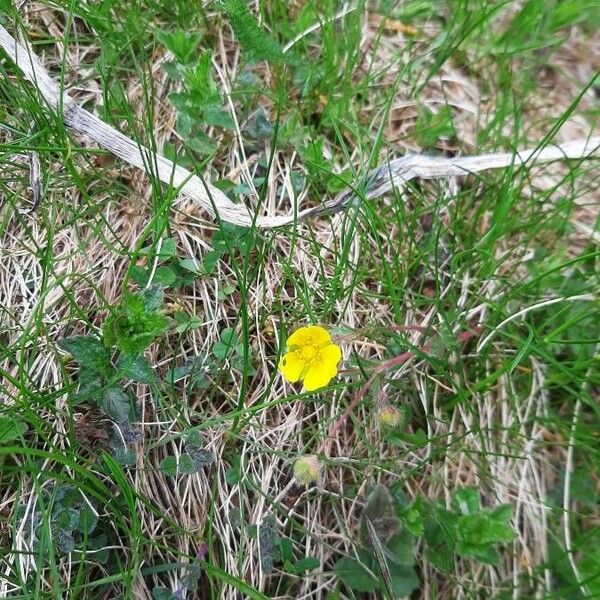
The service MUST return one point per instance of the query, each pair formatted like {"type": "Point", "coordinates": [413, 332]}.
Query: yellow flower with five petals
{"type": "Point", "coordinates": [311, 357]}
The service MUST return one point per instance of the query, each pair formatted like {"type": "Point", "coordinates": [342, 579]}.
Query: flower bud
{"type": "Point", "coordinates": [307, 469]}
{"type": "Point", "coordinates": [389, 416]}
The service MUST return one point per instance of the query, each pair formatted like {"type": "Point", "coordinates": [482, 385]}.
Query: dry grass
{"type": "Point", "coordinates": [498, 442]}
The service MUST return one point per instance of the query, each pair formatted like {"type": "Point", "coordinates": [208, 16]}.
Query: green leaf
{"type": "Point", "coordinates": [186, 322]}
{"type": "Point", "coordinates": [87, 520]}
{"type": "Point", "coordinates": [67, 519]}
{"type": "Point", "coordinates": [191, 265]}
{"type": "Point", "coordinates": [355, 576]}
{"type": "Point", "coordinates": [401, 548]}
{"type": "Point", "coordinates": [202, 144]}
{"type": "Point", "coordinates": [413, 517]}
{"type": "Point", "coordinates": [466, 501]}
{"type": "Point", "coordinates": [182, 44]}
{"type": "Point", "coordinates": [232, 476]}
{"type": "Point", "coordinates": [404, 579]}
{"type": "Point", "coordinates": [163, 593]}
{"type": "Point", "coordinates": [137, 368]}
{"type": "Point", "coordinates": [90, 386]}
{"type": "Point", "coordinates": [88, 351]}
{"type": "Point", "coordinates": [186, 465]}
{"type": "Point", "coordinates": [286, 548]}
{"type": "Point", "coordinates": [135, 323]}
{"type": "Point", "coordinates": [379, 510]}
{"type": "Point", "coordinates": [219, 118]}
{"type": "Point", "coordinates": [308, 563]}
{"type": "Point", "coordinates": [168, 466]}
{"type": "Point", "coordinates": [252, 38]}
{"type": "Point", "coordinates": [200, 456]}
{"type": "Point", "coordinates": [11, 429]}
{"type": "Point", "coordinates": [115, 404]}
{"type": "Point", "coordinates": [226, 343]}
{"type": "Point", "coordinates": [210, 261]}
{"type": "Point", "coordinates": [164, 276]}
{"type": "Point", "coordinates": [151, 297]}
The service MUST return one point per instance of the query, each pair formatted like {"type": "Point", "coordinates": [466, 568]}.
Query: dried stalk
{"type": "Point", "coordinates": [377, 183]}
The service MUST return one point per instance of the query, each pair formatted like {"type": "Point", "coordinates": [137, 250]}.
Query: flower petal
{"type": "Point", "coordinates": [312, 335]}
{"type": "Point", "coordinates": [318, 376]}
{"type": "Point", "coordinates": [291, 366]}
{"type": "Point", "coordinates": [331, 356]}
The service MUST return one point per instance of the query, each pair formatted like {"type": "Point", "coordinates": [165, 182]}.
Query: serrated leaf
{"type": "Point", "coordinates": [186, 465]}
{"type": "Point", "coordinates": [414, 515]}
{"type": "Point", "coordinates": [355, 576]}
{"type": "Point", "coordinates": [201, 457]}
{"type": "Point", "coordinates": [219, 118]}
{"type": "Point", "coordinates": [11, 429]}
{"type": "Point", "coordinates": [163, 593]}
{"type": "Point", "coordinates": [400, 548]}
{"type": "Point", "coordinates": [164, 276]}
{"type": "Point", "coordinates": [65, 541]}
{"type": "Point", "coordinates": [202, 144]}
{"type": "Point", "coordinates": [187, 322]}
{"type": "Point", "coordinates": [115, 404]}
{"type": "Point", "coordinates": [251, 36]}
{"type": "Point", "coordinates": [67, 519]}
{"type": "Point", "coordinates": [183, 44]}
{"type": "Point", "coordinates": [151, 297]}
{"type": "Point", "coordinates": [89, 352]}
{"type": "Point", "coordinates": [168, 466]}
{"type": "Point", "coordinates": [379, 510]}
{"type": "Point", "coordinates": [137, 368]}
{"type": "Point", "coordinates": [466, 501]}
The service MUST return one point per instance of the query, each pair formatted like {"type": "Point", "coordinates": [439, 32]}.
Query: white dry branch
{"type": "Point", "coordinates": [378, 182]}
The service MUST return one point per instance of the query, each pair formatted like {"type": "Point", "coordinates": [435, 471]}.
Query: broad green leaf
{"type": "Point", "coordinates": [186, 465]}
{"type": "Point", "coordinates": [164, 276]}
{"type": "Point", "coordinates": [308, 563]}
{"type": "Point", "coordinates": [355, 576]}
{"type": "Point", "coordinates": [115, 403]}
{"type": "Point", "coordinates": [210, 261]}
{"type": "Point", "coordinates": [404, 579]}
{"type": "Point", "coordinates": [87, 519]}
{"type": "Point", "coordinates": [466, 501]}
{"type": "Point", "coordinates": [89, 352]}
{"type": "Point", "coordinates": [90, 386]}
{"type": "Point", "coordinates": [226, 343]}
{"type": "Point", "coordinates": [380, 511]}
{"type": "Point", "coordinates": [187, 322]}
{"type": "Point", "coordinates": [168, 466]}
{"type": "Point", "coordinates": [163, 593]}
{"type": "Point", "coordinates": [191, 264]}
{"type": "Point", "coordinates": [137, 368]}
{"type": "Point", "coordinates": [401, 548]}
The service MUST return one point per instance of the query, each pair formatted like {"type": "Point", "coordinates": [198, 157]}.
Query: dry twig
{"type": "Point", "coordinates": [377, 183]}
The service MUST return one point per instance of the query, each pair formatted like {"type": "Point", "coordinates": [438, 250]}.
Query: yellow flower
{"type": "Point", "coordinates": [311, 357]}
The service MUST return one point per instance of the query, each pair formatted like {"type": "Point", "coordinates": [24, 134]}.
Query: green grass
{"type": "Point", "coordinates": [449, 256]}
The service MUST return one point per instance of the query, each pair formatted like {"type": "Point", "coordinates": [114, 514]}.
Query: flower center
{"type": "Point", "coordinates": [309, 353]}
